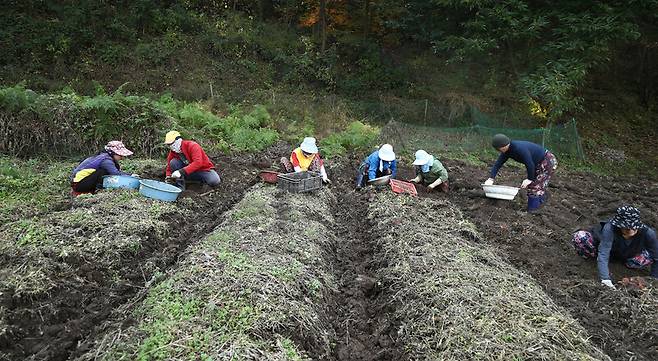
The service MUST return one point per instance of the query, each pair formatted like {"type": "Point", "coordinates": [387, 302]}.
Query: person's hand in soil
{"type": "Point", "coordinates": [434, 185]}
{"type": "Point", "coordinates": [415, 180]}
{"type": "Point", "coordinates": [608, 283]}
{"type": "Point", "coordinates": [489, 182]}
{"type": "Point", "coordinates": [525, 183]}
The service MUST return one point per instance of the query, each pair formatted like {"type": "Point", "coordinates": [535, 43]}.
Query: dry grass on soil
{"type": "Point", "coordinates": [257, 287]}
{"type": "Point", "coordinates": [456, 299]}
{"type": "Point", "coordinates": [100, 229]}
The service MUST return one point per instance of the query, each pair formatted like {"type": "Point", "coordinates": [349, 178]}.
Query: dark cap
{"type": "Point", "coordinates": [500, 140]}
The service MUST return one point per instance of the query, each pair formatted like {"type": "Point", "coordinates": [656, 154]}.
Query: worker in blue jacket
{"type": "Point", "coordinates": [378, 164]}
{"type": "Point", "coordinates": [539, 163]}
{"type": "Point", "coordinates": [623, 238]}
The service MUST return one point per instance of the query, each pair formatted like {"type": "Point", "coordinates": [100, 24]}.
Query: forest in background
{"type": "Point", "coordinates": [324, 64]}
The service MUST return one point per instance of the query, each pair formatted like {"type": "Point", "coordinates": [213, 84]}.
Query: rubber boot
{"type": "Point", "coordinates": [180, 183]}
{"type": "Point", "coordinates": [359, 180]}
{"type": "Point", "coordinates": [533, 203]}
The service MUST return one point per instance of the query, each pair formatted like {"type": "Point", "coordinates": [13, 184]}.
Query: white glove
{"type": "Point", "coordinates": [525, 183]}
{"type": "Point", "coordinates": [176, 174]}
{"type": "Point", "coordinates": [326, 180]}
{"type": "Point", "coordinates": [135, 175]}
{"type": "Point", "coordinates": [415, 180]}
{"type": "Point", "coordinates": [608, 283]}
{"type": "Point", "coordinates": [489, 182]}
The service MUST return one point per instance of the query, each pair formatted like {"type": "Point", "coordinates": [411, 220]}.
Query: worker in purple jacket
{"type": "Point", "coordinates": [623, 238]}
{"type": "Point", "coordinates": [539, 164]}
{"type": "Point", "coordinates": [88, 175]}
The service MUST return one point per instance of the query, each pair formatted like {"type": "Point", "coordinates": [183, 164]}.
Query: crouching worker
{"type": "Point", "coordinates": [187, 161]}
{"type": "Point", "coordinates": [305, 158]}
{"type": "Point", "coordinates": [539, 164]}
{"type": "Point", "coordinates": [87, 177]}
{"type": "Point", "coordinates": [623, 238]}
{"type": "Point", "coordinates": [378, 164]}
{"type": "Point", "coordinates": [430, 172]}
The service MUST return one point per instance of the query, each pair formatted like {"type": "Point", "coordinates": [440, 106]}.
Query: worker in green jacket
{"type": "Point", "coordinates": [430, 172]}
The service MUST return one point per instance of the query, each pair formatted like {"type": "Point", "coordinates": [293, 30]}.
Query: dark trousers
{"type": "Point", "coordinates": [90, 183]}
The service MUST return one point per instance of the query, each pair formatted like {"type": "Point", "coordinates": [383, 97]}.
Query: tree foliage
{"type": "Point", "coordinates": [549, 49]}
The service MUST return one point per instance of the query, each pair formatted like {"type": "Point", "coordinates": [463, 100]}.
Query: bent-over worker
{"type": "Point", "coordinates": [430, 171]}
{"type": "Point", "coordinates": [87, 177]}
{"type": "Point", "coordinates": [623, 238]}
{"type": "Point", "coordinates": [539, 163]}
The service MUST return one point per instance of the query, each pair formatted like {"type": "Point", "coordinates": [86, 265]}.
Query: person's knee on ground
{"type": "Point", "coordinates": [583, 243]}
{"type": "Point", "coordinates": [444, 187]}
{"type": "Point", "coordinates": [212, 179]}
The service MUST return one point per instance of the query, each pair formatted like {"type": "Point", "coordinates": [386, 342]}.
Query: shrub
{"type": "Point", "coordinates": [69, 124]}
{"type": "Point", "coordinates": [356, 137]}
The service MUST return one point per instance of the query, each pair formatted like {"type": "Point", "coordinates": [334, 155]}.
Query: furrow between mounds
{"type": "Point", "coordinates": [455, 299]}
{"type": "Point", "coordinates": [258, 287]}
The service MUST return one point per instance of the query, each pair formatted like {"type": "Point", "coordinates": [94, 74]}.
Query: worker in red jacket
{"type": "Point", "coordinates": [187, 161]}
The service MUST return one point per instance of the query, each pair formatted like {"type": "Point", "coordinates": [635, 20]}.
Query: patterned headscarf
{"type": "Point", "coordinates": [627, 217]}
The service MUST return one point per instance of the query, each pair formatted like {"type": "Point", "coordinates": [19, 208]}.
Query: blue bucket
{"type": "Point", "coordinates": [120, 182]}
{"type": "Point", "coordinates": [158, 190]}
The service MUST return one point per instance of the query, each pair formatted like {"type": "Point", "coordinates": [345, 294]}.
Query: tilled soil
{"type": "Point", "coordinates": [52, 327]}
{"type": "Point", "coordinates": [623, 323]}
{"type": "Point", "coordinates": [361, 320]}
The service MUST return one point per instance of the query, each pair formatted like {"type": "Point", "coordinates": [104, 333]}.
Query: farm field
{"type": "Point", "coordinates": [250, 272]}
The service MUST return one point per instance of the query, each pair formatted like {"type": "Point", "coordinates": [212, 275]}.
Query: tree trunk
{"type": "Point", "coordinates": [366, 19]}
{"type": "Point", "coordinates": [323, 25]}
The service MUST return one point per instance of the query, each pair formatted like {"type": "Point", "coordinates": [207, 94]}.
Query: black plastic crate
{"type": "Point", "coordinates": [300, 182]}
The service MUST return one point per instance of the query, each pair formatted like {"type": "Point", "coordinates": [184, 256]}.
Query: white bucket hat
{"type": "Point", "coordinates": [422, 157]}
{"type": "Point", "coordinates": [386, 153]}
{"type": "Point", "coordinates": [309, 146]}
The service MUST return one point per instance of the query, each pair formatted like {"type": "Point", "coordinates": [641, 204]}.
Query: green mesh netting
{"type": "Point", "coordinates": [466, 127]}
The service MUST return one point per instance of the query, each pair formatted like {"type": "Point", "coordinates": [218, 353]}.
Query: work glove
{"type": "Point", "coordinates": [525, 183]}
{"type": "Point", "coordinates": [489, 182]}
{"type": "Point", "coordinates": [415, 180]}
{"type": "Point", "coordinates": [608, 283]}
{"type": "Point", "coordinates": [135, 175]}
{"type": "Point", "coordinates": [176, 174]}
{"type": "Point", "coordinates": [326, 180]}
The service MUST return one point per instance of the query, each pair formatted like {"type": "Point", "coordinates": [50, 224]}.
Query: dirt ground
{"type": "Point", "coordinates": [362, 318]}
{"type": "Point", "coordinates": [623, 322]}
{"type": "Point", "coordinates": [50, 326]}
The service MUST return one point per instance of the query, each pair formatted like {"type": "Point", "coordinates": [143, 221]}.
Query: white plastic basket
{"type": "Point", "coordinates": [500, 192]}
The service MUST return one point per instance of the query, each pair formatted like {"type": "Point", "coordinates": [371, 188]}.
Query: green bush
{"type": "Point", "coordinates": [356, 137]}
{"type": "Point", "coordinates": [70, 124]}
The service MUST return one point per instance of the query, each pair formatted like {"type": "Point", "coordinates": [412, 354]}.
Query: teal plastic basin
{"type": "Point", "coordinates": [158, 190]}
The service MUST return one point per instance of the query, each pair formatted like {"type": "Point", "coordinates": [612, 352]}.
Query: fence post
{"type": "Point", "coordinates": [425, 117]}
